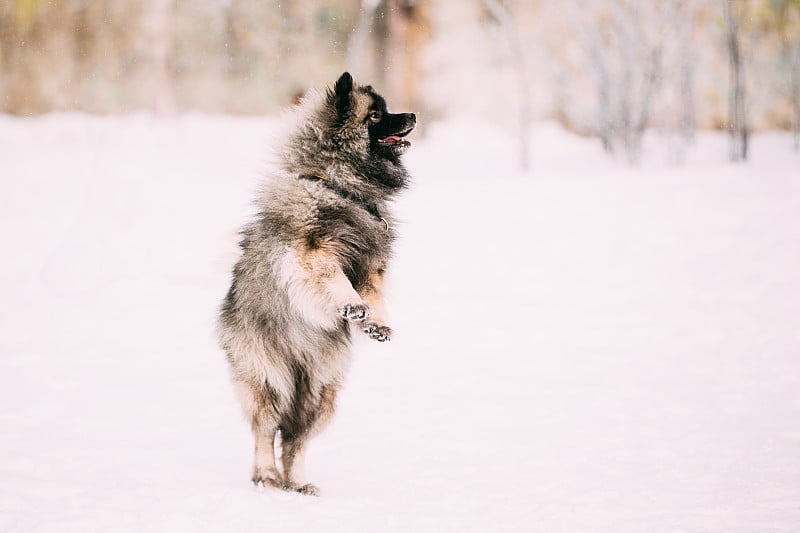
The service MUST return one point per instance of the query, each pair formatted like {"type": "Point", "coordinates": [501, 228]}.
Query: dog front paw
{"type": "Point", "coordinates": [354, 311]}
{"type": "Point", "coordinates": [376, 331]}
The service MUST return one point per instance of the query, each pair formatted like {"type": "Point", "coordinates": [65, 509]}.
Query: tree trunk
{"type": "Point", "coordinates": [687, 123]}
{"type": "Point", "coordinates": [501, 14]}
{"type": "Point", "coordinates": [599, 70]}
{"type": "Point", "coordinates": [358, 43]}
{"type": "Point", "coordinates": [159, 26]}
{"type": "Point", "coordinates": [795, 96]}
{"type": "Point", "coordinates": [737, 104]}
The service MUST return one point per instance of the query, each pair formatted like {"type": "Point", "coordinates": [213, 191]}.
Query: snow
{"type": "Point", "coordinates": [588, 348]}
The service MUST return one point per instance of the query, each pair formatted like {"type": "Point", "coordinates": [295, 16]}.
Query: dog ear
{"type": "Point", "coordinates": [340, 96]}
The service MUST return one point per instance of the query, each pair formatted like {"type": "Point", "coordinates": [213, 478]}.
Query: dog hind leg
{"type": "Point", "coordinates": [295, 445]}
{"type": "Point", "coordinates": [258, 409]}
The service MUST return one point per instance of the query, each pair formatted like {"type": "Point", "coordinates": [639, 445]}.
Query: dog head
{"type": "Point", "coordinates": [362, 118]}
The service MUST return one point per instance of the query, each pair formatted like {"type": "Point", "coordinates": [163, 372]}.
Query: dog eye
{"type": "Point", "coordinates": [375, 116]}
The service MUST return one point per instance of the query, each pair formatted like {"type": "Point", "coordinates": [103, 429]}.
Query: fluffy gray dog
{"type": "Point", "coordinates": [311, 270]}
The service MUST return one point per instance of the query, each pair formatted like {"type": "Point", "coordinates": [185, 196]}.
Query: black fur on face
{"type": "Point", "coordinates": [387, 131]}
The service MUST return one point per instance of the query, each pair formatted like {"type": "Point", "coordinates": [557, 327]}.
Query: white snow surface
{"type": "Point", "coordinates": [585, 348]}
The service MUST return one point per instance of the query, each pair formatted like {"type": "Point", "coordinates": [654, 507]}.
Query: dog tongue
{"type": "Point", "coordinates": [393, 139]}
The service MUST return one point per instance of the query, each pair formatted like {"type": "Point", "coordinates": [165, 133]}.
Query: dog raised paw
{"type": "Point", "coordinates": [354, 311]}
{"type": "Point", "coordinates": [376, 331]}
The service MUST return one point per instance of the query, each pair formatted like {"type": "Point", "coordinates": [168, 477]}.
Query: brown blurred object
{"type": "Point", "coordinates": [387, 48]}
{"type": "Point", "coordinates": [67, 55]}
{"type": "Point", "coordinates": [106, 56]}
{"type": "Point", "coordinates": [606, 68]}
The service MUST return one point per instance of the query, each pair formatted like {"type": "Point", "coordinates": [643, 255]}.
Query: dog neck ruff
{"type": "Point", "coordinates": [371, 209]}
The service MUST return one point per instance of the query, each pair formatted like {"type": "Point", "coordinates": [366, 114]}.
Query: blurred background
{"type": "Point", "coordinates": [595, 292]}
{"type": "Point", "coordinates": [605, 68]}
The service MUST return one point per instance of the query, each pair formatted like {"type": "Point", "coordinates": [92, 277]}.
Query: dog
{"type": "Point", "coordinates": [311, 272]}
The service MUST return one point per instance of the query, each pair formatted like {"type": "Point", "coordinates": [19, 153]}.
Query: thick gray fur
{"type": "Point", "coordinates": [311, 269]}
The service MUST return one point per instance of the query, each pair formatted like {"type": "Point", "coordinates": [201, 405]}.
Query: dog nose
{"type": "Point", "coordinates": [412, 117]}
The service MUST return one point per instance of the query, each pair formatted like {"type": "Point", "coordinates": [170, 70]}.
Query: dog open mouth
{"type": "Point", "coordinates": [396, 141]}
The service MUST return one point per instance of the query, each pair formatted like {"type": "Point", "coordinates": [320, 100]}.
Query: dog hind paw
{"type": "Point", "coordinates": [265, 480]}
{"type": "Point", "coordinates": [307, 489]}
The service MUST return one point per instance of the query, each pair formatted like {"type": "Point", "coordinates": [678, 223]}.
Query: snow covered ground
{"type": "Point", "coordinates": [589, 348]}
